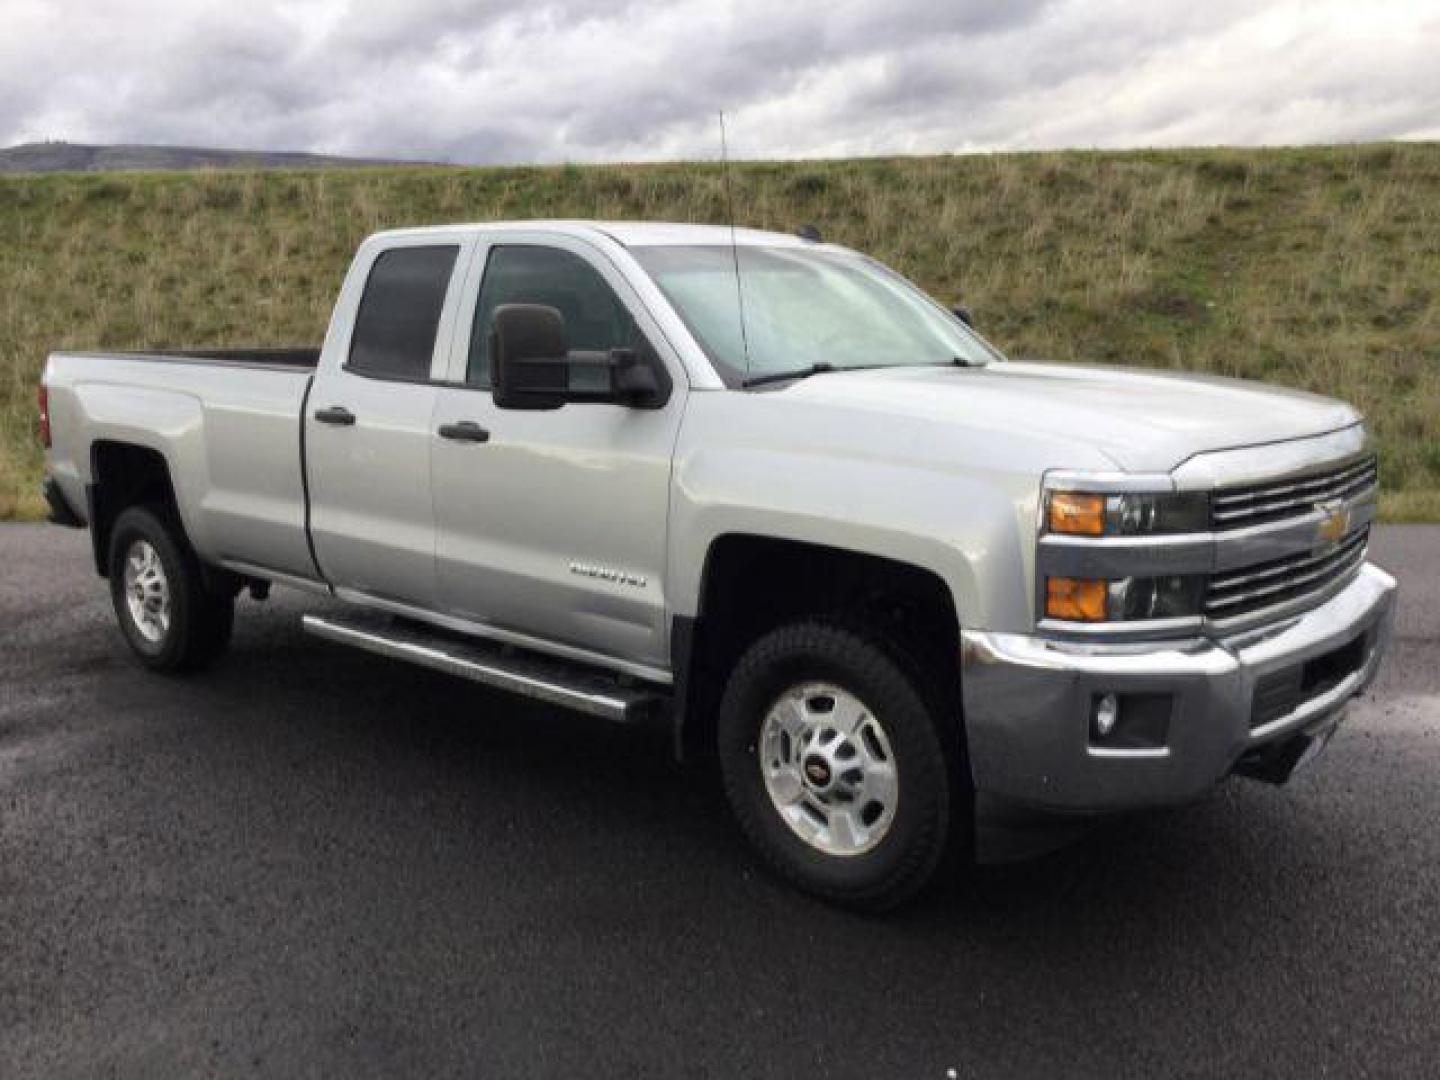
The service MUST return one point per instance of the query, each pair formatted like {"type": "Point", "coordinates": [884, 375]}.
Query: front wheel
{"type": "Point", "coordinates": [835, 766]}
{"type": "Point", "coordinates": [170, 619]}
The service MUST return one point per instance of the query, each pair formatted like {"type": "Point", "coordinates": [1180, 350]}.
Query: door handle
{"type": "Point", "coordinates": [336, 414]}
{"type": "Point", "coordinates": [464, 431]}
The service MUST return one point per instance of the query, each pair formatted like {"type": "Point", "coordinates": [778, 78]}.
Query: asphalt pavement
{"type": "Point", "coordinates": [312, 862]}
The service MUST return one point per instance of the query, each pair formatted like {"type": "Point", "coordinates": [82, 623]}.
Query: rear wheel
{"type": "Point", "coordinates": [835, 765]}
{"type": "Point", "coordinates": [171, 621]}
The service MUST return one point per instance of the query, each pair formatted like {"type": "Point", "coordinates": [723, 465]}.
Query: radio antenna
{"type": "Point", "coordinates": [734, 247]}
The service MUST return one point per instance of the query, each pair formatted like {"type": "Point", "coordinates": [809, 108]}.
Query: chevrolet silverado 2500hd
{"type": "Point", "coordinates": [911, 594]}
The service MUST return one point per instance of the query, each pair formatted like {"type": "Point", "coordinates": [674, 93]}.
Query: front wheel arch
{"type": "Point", "coordinates": [753, 583]}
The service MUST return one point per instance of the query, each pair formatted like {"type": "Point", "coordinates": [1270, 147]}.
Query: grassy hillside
{"type": "Point", "coordinates": [1317, 268]}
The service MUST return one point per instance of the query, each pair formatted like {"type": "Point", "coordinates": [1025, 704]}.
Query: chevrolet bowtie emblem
{"type": "Point", "coordinates": [1333, 525]}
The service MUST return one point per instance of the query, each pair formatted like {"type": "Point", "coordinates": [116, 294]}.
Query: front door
{"type": "Point", "coordinates": [555, 526]}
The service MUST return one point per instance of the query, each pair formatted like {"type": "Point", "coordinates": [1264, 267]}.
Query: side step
{"type": "Point", "coordinates": [557, 682]}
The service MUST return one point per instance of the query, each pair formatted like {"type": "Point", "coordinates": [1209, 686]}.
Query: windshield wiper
{"type": "Point", "coordinates": [780, 376]}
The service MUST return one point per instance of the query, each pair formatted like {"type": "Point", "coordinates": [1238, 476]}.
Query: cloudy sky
{"type": "Point", "coordinates": [593, 80]}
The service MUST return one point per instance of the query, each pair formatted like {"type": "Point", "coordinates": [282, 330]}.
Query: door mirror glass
{"type": "Point", "coordinates": [531, 357]}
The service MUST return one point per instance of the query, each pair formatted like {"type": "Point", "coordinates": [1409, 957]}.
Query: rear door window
{"type": "Point", "coordinates": [399, 314]}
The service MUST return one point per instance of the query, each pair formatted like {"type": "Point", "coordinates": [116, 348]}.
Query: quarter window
{"type": "Point", "coordinates": [399, 313]}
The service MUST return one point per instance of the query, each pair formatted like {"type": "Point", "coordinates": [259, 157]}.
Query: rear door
{"type": "Point", "coordinates": [368, 428]}
{"type": "Point", "coordinates": [555, 526]}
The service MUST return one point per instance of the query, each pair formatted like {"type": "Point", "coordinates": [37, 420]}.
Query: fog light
{"type": "Point", "coordinates": [1107, 712]}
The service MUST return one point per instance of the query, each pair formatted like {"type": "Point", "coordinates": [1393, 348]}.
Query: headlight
{"type": "Point", "coordinates": [1107, 547]}
{"type": "Point", "coordinates": [1082, 513]}
{"type": "Point", "coordinates": [1123, 599]}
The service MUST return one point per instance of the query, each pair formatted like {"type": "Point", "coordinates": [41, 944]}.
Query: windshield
{"type": "Point", "coordinates": [804, 307]}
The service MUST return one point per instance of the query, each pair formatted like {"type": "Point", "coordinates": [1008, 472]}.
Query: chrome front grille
{"type": "Point", "coordinates": [1275, 500]}
{"type": "Point", "coordinates": [1264, 585]}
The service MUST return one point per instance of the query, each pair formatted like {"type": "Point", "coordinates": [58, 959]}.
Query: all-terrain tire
{"type": "Point", "coordinates": [170, 619]}
{"type": "Point", "coordinates": [775, 673]}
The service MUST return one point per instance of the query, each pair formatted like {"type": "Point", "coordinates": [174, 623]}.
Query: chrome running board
{"type": "Point", "coordinates": [556, 682]}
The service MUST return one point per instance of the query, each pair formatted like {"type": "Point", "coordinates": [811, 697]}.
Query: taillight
{"type": "Point", "coordinates": [44, 396]}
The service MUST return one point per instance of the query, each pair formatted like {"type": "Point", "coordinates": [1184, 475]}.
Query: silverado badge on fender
{"type": "Point", "coordinates": [606, 573]}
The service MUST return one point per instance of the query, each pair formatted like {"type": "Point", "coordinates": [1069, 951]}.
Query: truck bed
{"type": "Point", "coordinates": [227, 423]}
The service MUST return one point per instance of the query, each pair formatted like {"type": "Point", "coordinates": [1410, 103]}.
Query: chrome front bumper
{"type": "Point", "coordinates": [1028, 703]}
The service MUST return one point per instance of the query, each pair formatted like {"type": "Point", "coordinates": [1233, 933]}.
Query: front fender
{"type": "Point", "coordinates": [968, 530]}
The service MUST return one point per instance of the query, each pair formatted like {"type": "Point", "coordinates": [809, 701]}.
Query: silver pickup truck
{"type": "Point", "coordinates": [912, 596]}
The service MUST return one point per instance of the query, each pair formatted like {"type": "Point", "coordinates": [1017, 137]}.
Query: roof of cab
{"type": "Point", "coordinates": [655, 233]}
{"type": "Point", "coordinates": [629, 233]}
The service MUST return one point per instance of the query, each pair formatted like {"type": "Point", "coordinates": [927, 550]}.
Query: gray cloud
{"type": "Point", "coordinates": [511, 80]}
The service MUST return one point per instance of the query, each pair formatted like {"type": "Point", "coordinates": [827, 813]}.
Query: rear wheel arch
{"type": "Point", "coordinates": [123, 475]}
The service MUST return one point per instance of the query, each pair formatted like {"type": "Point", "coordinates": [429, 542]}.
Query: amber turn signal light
{"type": "Point", "coordinates": [1075, 599]}
{"type": "Point", "coordinates": [1077, 513]}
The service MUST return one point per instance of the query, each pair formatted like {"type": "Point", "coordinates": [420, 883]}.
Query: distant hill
{"type": "Point", "coordinates": [48, 157]}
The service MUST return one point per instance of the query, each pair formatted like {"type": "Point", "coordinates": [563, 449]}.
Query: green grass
{"type": "Point", "coordinates": [1317, 268]}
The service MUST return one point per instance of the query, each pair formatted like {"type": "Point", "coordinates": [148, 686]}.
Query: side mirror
{"type": "Point", "coordinates": [961, 312]}
{"type": "Point", "coordinates": [535, 369]}
{"type": "Point", "coordinates": [531, 357]}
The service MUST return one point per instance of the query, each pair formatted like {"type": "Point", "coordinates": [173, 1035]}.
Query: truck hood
{"type": "Point", "coordinates": [1145, 421]}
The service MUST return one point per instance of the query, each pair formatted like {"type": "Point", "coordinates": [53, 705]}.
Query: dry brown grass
{"type": "Point", "coordinates": [1315, 268]}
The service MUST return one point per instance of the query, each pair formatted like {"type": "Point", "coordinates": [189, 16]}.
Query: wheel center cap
{"type": "Point", "coordinates": [817, 770]}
